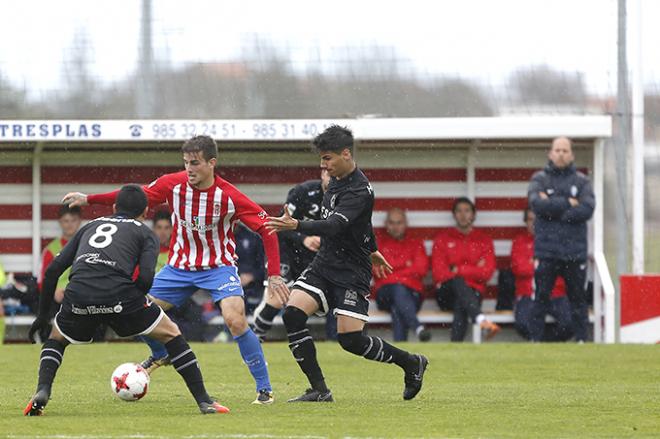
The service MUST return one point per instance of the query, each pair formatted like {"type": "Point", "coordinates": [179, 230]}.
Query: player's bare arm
{"type": "Point", "coordinates": [74, 199]}
{"type": "Point", "coordinates": [277, 288]}
{"type": "Point", "coordinates": [312, 243]}
{"type": "Point", "coordinates": [279, 223]}
{"type": "Point", "coordinates": [382, 268]}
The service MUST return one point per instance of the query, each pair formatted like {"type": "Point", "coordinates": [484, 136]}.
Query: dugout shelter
{"type": "Point", "coordinates": [419, 164]}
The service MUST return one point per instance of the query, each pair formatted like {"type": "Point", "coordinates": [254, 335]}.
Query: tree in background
{"type": "Point", "coordinates": [543, 85]}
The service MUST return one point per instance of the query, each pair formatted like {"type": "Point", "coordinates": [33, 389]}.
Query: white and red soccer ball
{"type": "Point", "coordinates": [129, 381]}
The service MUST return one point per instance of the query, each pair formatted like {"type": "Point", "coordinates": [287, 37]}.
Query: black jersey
{"type": "Point", "coordinates": [304, 204]}
{"type": "Point", "coordinates": [103, 256]}
{"type": "Point", "coordinates": [347, 238]}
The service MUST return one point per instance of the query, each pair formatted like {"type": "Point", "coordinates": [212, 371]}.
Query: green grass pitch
{"type": "Point", "coordinates": [473, 391]}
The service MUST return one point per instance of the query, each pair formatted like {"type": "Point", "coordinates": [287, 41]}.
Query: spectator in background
{"type": "Point", "coordinates": [463, 261]}
{"type": "Point", "coordinates": [400, 292]}
{"type": "Point", "coordinates": [251, 266]}
{"type": "Point", "coordinates": [162, 226]}
{"type": "Point", "coordinates": [522, 266]}
{"type": "Point", "coordinates": [3, 276]}
{"type": "Point", "coordinates": [70, 219]}
{"type": "Point", "coordinates": [563, 201]}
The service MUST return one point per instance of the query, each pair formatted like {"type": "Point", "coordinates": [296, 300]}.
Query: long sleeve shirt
{"type": "Point", "coordinates": [472, 256]}
{"type": "Point", "coordinates": [204, 221]}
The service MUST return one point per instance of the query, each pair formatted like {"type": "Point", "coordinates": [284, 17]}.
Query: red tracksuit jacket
{"type": "Point", "coordinates": [522, 266]}
{"type": "Point", "coordinates": [407, 257]}
{"type": "Point", "coordinates": [473, 255]}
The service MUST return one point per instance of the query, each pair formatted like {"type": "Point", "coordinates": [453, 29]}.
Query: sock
{"type": "Point", "coordinates": [374, 348]}
{"type": "Point", "coordinates": [302, 347]}
{"type": "Point", "coordinates": [52, 354]}
{"type": "Point", "coordinates": [185, 363]}
{"type": "Point", "coordinates": [158, 349]}
{"type": "Point", "coordinates": [253, 355]}
{"type": "Point", "coordinates": [263, 319]}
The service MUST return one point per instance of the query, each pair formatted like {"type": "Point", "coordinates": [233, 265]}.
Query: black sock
{"type": "Point", "coordinates": [263, 320]}
{"type": "Point", "coordinates": [302, 347]}
{"type": "Point", "coordinates": [184, 361]}
{"type": "Point", "coordinates": [52, 354]}
{"type": "Point", "coordinates": [374, 348]}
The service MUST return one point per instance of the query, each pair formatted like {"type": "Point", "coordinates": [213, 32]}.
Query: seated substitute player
{"type": "Point", "coordinates": [462, 262]}
{"type": "Point", "coordinates": [522, 266]}
{"type": "Point", "coordinates": [297, 249]}
{"type": "Point", "coordinates": [205, 209]}
{"type": "Point", "coordinates": [103, 256]}
{"type": "Point", "coordinates": [338, 278]}
{"type": "Point", "coordinates": [400, 293]}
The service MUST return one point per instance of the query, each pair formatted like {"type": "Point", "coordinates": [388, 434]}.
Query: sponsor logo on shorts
{"type": "Point", "coordinates": [350, 297]}
{"type": "Point", "coordinates": [96, 309]}
{"type": "Point", "coordinates": [231, 286]}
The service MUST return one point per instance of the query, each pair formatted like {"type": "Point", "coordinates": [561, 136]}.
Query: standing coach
{"type": "Point", "coordinates": [563, 200]}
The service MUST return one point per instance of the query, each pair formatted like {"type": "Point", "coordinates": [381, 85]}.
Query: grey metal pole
{"type": "Point", "coordinates": [144, 95]}
{"type": "Point", "coordinates": [637, 104]}
{"type": "Point", "coordinates": [620, 143]}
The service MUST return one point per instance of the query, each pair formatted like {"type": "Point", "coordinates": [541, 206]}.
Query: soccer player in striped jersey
{"type": "Point", "coordinates": [205, 209]}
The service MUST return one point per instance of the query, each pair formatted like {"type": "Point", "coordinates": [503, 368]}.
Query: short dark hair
{"type": "Point", "coordinates": [335, 139]}
{"type": "Point", "coordinates": [463, 200]}
{"type": "Point", "coordinates": [204, 144]}
{"type": "Point", "coordinates": [131, 200]}
{"type": "Point", "coordinates": [66, 210]}
{"type": "Point", "coordinates": [162, 215]}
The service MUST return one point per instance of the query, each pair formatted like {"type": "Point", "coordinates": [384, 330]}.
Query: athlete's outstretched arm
{"type": "Point", "coordinates": [156, 192]}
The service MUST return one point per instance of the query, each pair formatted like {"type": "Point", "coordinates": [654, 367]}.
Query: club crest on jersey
{"type": "Point", "coordinates": [216, 209]}
{"type": "Point", "coordinates": [262, 215]}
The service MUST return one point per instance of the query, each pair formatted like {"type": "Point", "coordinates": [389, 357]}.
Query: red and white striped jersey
{"type": "Point", "coordinates": [203, 221]}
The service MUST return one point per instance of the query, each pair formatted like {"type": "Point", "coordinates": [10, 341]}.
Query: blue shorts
{"type": "Point", "coordinates": [175, 286]}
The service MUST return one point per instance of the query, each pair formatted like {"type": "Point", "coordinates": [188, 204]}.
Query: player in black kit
{"type": "Point", "coordinates": [338, 278]}
{"type": "Point", "coordinates": [104, 255]}
{"type": "Point", "coordinates": [297, 249]}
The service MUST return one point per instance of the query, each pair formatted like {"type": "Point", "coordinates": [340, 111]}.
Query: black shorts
{"type": "Point", "coordinates": [77, 323]}
{"type": "Point", "coordinates": [343, 301]}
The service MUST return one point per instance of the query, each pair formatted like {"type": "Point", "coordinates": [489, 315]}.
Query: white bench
{"type": "Point", "coordinates": [376, 317]}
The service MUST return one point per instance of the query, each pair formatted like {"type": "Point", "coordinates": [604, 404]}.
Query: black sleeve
{"type": "Point", "coordinates": [585, 209]}
{"type": "Point", "coordinates": [147, 262]}
{"type": "Point", "coordinates": [294, 205]}
{"type": "Point", "coordinates": [551, 207]}
{"type": "Point", "coordinates": [62, 261]}
{"type": "Point", "coordinates": [349, 207]}
{"type": "Point", "coordinates": [373, 245]}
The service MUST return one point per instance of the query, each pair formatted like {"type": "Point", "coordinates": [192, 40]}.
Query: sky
{"type": "Point", "coordinates": [483, 40]}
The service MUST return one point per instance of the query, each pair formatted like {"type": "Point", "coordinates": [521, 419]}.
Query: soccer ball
{"type": "Point", "coordinates": [129, 381]}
